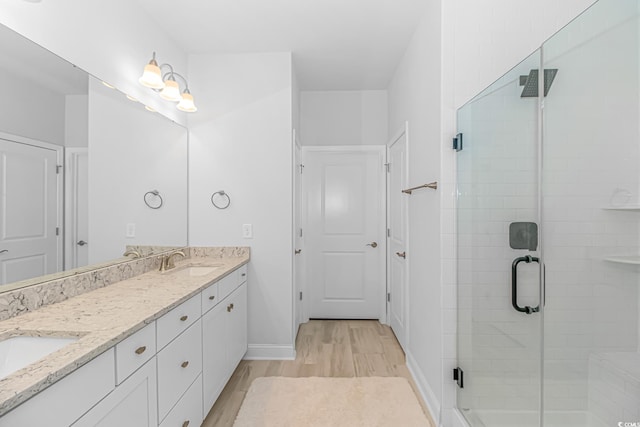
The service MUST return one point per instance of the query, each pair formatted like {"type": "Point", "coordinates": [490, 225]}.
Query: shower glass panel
{"type": "Point", "coordinates": [591, 220]}
{"type": "Point", "coordinates": [499, 347]}
{"type": "Point", "coordinates": [569, 200]}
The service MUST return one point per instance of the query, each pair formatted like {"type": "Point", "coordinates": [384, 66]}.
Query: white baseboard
{"type": "Point", "coordinates": [270, 352]}
{"type": "Point", "coordinates": [426, 392]}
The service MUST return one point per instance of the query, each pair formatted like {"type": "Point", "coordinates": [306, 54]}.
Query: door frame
{"type": "Point", "coordinates": [381, 150]}
{"type": "Point", "coordinates": [299, 313]}
{"type": "Point", "coordinates": [59, 150]}
{"type": "Point", "coordinates": [404, 131]}
{"type": "Point", "coordinates": [71, 204]}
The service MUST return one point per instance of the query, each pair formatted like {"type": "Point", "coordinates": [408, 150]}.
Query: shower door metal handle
{"type": "Point", "coordinates": [514, 285]}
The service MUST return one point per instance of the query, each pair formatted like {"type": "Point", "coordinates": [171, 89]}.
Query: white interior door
{"type": "Point", "coordinates": [397, 237]}
{"type": "Point", "coordinates": [344, 231]}
{"type": "Point", "coordinates": [29, 208]}
{"type": "Point", "coordinates": [76, 208]}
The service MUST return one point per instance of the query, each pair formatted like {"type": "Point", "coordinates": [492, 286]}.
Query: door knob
{"type": "Point", "coordinates": [373, 244]}
{"type": "Point", "coordinates": [81, 243]}
{"type": "Point", "coordinates": [401, 254]}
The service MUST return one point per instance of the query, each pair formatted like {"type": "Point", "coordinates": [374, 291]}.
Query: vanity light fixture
{"type": "Point", "coordinates": [166, 84]}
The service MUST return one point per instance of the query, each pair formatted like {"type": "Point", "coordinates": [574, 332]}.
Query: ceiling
{"type": "Point", "coordinates": [336, 44]}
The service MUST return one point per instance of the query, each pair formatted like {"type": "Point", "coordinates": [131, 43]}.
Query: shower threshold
{"type": "Point", "coordinates": [498, 418]}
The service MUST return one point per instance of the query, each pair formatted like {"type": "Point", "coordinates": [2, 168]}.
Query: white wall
{"type": "Point", "coordinates": [344, 117]}
{"type": "Point", "coordinates": [133, 151]}
{"type": "Point", "coordinates": [240, 142]}
{"type": "Point", "coordinates": [76, 125]}
{"type": "Point", "coordinates": [112, 42]}
{"type": "Point", "coordinates": [414, 96]}
{"type": "Point", "coordinates": [38, 115]}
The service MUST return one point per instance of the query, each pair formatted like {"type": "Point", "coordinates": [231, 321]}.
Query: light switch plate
{"type": "Point", "coordinates": [131, 230]}
{"type": "Point", "coordinates": [247, 231]}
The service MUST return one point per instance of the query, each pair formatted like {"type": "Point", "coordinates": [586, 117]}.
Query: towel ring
{"type": "Point", "coordinates": [223, 204]}
{"type": "Point", "coordinates": [153, 205]}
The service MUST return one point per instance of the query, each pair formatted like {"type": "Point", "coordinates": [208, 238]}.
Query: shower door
{"type": "Point", "coordinates": [499, 310]}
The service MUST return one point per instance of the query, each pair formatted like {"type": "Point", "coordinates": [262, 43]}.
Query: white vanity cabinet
{"type": "Point", "coordinates": [132, 404]}
{"type": "Point", "coordinates": [224, 337]}
{"type": "Point", "coordinates": [169, 373]}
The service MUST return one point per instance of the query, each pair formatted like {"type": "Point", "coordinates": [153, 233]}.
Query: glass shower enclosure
{"type": "Point", "coordinates": [548, 224]}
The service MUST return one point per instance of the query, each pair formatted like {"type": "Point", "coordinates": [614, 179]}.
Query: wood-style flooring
{"type": "Point", "coordinates": [325, 348]}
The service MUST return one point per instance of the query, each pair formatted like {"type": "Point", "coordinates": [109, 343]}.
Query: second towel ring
{"type": "Point", "coordinates": [222, 204]}
{"type": "Point", "coordinates": [156, 205]}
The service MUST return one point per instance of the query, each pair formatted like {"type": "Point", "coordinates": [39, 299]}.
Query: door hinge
{"type": "Point", "coordinates": [58, 167]}
{"type": "Point", "coordinates": [301, 232]}
{"type": "Point", "coordinates": [300, 295]}
{"type": "Point", "coordinates": [457, 142]}
{"type": "Point", "coordinates": [388, 232]}
{"type": "Point", "coordinates": [388, 296]}
{"type": "Point", "coordinates": [57, 231]}
{"type": "Point", "coordinates": [458, 376]}
{"type": "Point", "coordinates": [388, 166]}
{"type": "Point", "coordinates": [301, 167]}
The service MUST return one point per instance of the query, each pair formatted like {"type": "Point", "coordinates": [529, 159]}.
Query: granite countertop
{"type": "Point", "coordinates": [100, 318]}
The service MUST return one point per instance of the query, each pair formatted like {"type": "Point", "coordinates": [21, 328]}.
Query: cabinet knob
{"type": "Point", "coordinates": [141, 350]}
{"type": "Point", "coordinates": [183, 318]}
{"type": "Point", "coordinates": [212, 297]}
{"type": "Point", "coordinates": [185, 364]}
{"type": "Point", "coordinates": [185, 424]}
{"type": "Point", "coordinates": [243, 274]}
{"type": "Point", "coordinates": [229, 308]}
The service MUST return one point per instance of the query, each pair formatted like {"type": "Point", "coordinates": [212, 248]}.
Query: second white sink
{"type": "Point", "coordinates": [195, 270]}
{"type": "Point", "coordinates": [18, 352]}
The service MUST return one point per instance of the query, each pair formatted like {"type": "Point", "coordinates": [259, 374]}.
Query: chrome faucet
{"type": "Point", "coordinates": [167, 262]}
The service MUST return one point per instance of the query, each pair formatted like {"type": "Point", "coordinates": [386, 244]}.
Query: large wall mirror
{"type": "Point", "coordinates": [86, 173]}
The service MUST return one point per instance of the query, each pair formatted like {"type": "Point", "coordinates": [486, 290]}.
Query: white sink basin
{"type": "Point", "coordinates": [195, 270]}
{"type": "Point", "coordinates": [18, 352]}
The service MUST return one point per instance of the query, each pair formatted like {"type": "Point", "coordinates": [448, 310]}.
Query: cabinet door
{"type": "Point", "coordinates": [132, 404]}
{"type": "Point", "coordinates": [214, 354]}
{"type": "Point", "coordinates": [237, 326]}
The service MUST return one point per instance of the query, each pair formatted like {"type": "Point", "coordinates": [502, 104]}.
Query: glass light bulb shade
{"type": "Point", "coordinates": [187, 104]}
{"type": "Point", "coordinates": [151, 77]}
{"type": "Point", "coordinates": [171, 91]}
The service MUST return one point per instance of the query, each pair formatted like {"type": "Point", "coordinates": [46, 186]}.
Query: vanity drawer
{"type": "Point", "coordinates": [177, 320]}
{"type": "Point", "coordinates": [242, 274]}
{"type": "Point", "coordinates": [210, 297]}
{"type": "Point", "coordinates": [178, 366]}
{"type": "Point", "coordinates": [135, 351]}
{"type": "Point", "coordinates": [68, 399]}
{"type": "Point", "coordinates": [227, 284]}
{"type": "Point", "coordinates": [188, 411]}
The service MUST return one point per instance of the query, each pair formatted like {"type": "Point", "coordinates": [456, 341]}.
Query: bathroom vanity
{"type": "Point", "coordinates": [152, 350]}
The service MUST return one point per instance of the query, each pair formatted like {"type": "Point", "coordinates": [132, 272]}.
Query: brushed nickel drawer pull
{"type": "Point", "coordinates": [183, 318]}
{"type": "Point", "coordinates": [141, 350]}
{"type": "Point", "coordinates": [401, 254]}
{"type": "Point", "coordinates": [185, 424]}
{"type": "Point", "coordinates": [212, 297]}
{"type": "Point", "coordinates": [185, 364]}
